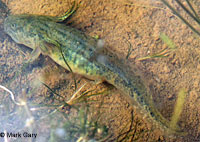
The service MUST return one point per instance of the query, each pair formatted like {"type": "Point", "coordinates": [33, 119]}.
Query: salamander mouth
{"type": "Point", "coordinates": [11, 33]}
{"type": "Point", "coordinates": [8, 29]}
{"type": "Point", "coordinates": [14, 37]}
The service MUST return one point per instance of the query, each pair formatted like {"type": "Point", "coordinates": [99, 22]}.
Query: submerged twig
{"type": "Point", "coordinates": [22, 103]}
{"type": "Point", "coordinates": [130, 49]}
{"type": "Point", "coordinates": [30, 119]}
{"type": "Point", "coordinates": [189, 4]}
{"type": "Point", "coordinates": [188, 12]}
{"type": "Point", "coordinates": [195, 17]}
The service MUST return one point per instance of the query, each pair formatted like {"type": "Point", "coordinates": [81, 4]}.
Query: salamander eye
{"type": "Point", "coordinates": [13, 25]}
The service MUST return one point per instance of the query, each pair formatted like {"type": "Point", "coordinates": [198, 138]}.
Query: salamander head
{"type": "Point", "coordinates": [14, 27]}
{"type": "Point", "coordinates": [26, 29]}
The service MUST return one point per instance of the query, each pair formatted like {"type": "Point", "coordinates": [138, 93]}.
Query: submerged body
{"type": "Point", "coordinates": [45, 35]}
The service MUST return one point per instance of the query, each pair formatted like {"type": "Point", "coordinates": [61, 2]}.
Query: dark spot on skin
{"type": "Point", "coordinates": [100, 73]}
{"type": "Point", "coordinates": [60, 58]}
{"type": "Point", "coordinates": [90, 49]}
{"type": "Point", "coordinates": [69, 57]}
{"type": "Point", "coordinates": [141, 99]}
{"type": "Point", "coordinates": [90, 66]}
{"type": "Point", "coordinates": [75, 59]}
{"type": "Point", "coordinates": [81, 65]}
{"type": "Point", "coordinates": [152, 114]}
{"type": "Point", "coordinates": [137, 92]}
{"type": "Point", "coordinates": [86, 71]}
{"type": "Point", "coordinates": [116, 81]}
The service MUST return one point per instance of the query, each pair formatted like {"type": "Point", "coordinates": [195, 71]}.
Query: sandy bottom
{"type": "Point", "coordinates": [123, 25]}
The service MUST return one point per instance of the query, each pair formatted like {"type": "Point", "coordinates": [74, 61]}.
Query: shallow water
{"type": "Point", "coordinates": [123, 25]}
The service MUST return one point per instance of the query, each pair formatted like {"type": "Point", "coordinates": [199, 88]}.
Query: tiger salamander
{"type": "Point", "coordinates": [49, 36]}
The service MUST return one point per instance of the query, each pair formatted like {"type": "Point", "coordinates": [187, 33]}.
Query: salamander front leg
{"type": "Point", "coordinates": [34, 54]}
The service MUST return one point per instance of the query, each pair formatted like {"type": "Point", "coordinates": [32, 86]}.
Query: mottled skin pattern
{"type": "Point", "coordinates": [46, 35]}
